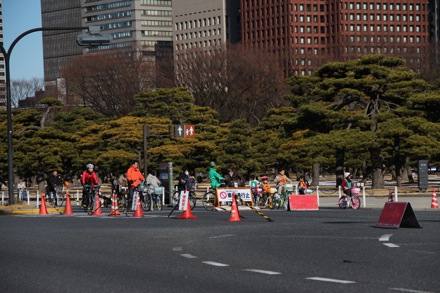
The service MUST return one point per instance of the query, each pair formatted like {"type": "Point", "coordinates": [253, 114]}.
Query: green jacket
{"type": "Point", "coordinates": [215, 178]}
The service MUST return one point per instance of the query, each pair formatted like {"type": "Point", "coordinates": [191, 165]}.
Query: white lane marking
{"type": "Point", "coordinates": [409, 290]}
{"type": "Point", "coordinates": [221, 236]}
{"type": "Point", "coordinates": [187, 255]}
{"type": "Point", "coordinates": [217, 264]}
{"type": "Point", "coordinates": [385, 237]}
{"type": "Point", "coordinates": [331, 280]}
{"type": "Point", "coordinates": [392, 245]}
{"type": "Point", "coordinates": [262, 272]}
{"type": "Point", "coordinates": [177, 249]}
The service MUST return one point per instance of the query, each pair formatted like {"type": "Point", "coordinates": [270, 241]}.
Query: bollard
{"type": "Point", "coordinates": [363, 196]}
{"type": "Point", "coordinates": [3, 198]}
{"type": "Point", "coordinates": [396, 199]}
{"type": "Point", "coordinates": [38, 202]}
{"type": "Point", "coordinates": [28, 197]}
{"type": "Point", "coordinates": [317, 193]}
{"type": "Point", "coordinates": [77, 197]}
{"type": "Point", "coordinates": [339, 191]}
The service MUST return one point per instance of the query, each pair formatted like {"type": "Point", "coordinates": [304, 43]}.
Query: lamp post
{"type": "Point", "coordinates": [104, 39]}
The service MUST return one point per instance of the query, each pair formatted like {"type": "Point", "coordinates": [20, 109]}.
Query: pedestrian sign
{"type": "Point", "coordinates": [186, 130]}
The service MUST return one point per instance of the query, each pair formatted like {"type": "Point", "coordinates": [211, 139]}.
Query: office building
{"type": "Point", "coordinates": [307, 34]}
{"type": "Point", "coordinates": [141, 27]}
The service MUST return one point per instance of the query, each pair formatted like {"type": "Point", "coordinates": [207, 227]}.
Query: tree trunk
{"type": "Point", "coordinates": [377, 164]}
{"type": "Point", "coordinates": [315, 174]}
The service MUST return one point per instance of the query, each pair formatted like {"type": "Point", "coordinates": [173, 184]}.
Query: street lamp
{"type": "Point", "coordinates": [97, 39]}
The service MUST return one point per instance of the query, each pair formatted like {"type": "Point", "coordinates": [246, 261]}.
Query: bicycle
{"type": "Point", "coordinates": [155, 199]}
{"type": "Point", "coordinates": [56, 198]}
{"type": "Point", "coordinates": [209, 198]}
{"type": "Point", "coordinates": [122, 196]}
{"type": "Point", "coordinates": [88, 199]}
{"type": "Point", "coordinates": [191, 195]}
{"type": "Point", "coordinates": [282, 199]}
{"type": "Point", "coordinates": [141, 191]}
{"type": "Point", "coordinates": [267, 199]}
{"type": "Point", "coordinates": [352, 200]}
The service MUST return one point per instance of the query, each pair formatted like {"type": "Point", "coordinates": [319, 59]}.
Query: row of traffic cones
{"type": "Point", "coordinates": [187, 214]}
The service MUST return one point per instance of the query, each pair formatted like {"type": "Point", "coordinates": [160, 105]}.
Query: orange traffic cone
{"type": "Point", "coordinates": [138, 212]}
{"type": "Point", "coordinates": [97, 206]}
{"type": "Point", "coordinates": [115, 210]}
{"type": "Point", "coordinates": [187, 214]}
{"type": "Point", "coordinates": [235, 216]}
{"type": "Point", "coordinates": [434, 202]}
{"type": "Point", "coordinates": [68, 209]}
{"type": "Point", "coordinates": [43, 209]}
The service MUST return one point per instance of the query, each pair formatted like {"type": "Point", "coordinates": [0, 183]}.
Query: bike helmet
{"type": "Point", "coordinates": [264, 178]}
{"type": "Point", "coordinates": [90, 166]}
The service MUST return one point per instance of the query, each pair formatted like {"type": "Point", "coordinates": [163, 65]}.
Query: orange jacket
{"type": "Point", "coordinates": [134, 176]}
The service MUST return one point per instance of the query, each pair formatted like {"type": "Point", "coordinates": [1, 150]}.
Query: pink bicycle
{"type": "Point", "coordinates": [352, 201]}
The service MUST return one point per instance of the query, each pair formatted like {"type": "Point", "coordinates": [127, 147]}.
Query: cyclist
{"type": "Point", "coordinates": [346, 184]}
{"type": "Point", "coordinates": [152, 182]}
{"type": "Point", "coordinates": [302, 185]}
{"type": "Point", "coordinates": [254, 184]}
{"type": "Point", "coordinates": [88, 177]}
{"type": "Point", "coordinates": [233, 178]}
{"type": "Point", "coordinates": [266, 188]}
{"type": "Point", "coordinates": [214, 176]}
{"type": "Point", "coordinates": [134, 178]}
{"type": "Point", "coordinates": [182, 179]}
{"type": "Point", "coordinates": [280, 180]}
{"type": "Point", "coordinates": [53, 181]}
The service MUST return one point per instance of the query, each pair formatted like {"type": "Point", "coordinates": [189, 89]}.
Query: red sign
{"type": "Point", "coordinates": [303, 202]}
{"type": "Point", "coordinates": [190, 131]}
{"type": "Point", "coordinates": [398, 214]}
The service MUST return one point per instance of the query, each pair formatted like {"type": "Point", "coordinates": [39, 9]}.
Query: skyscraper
{"type": "Point", "coordinates": [143, 27]}
{"type": "Point", "coordinates": [308, 33]}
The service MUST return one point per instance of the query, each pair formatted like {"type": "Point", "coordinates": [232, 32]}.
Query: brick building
{"type": "Point", "coordinates": [306, 34]}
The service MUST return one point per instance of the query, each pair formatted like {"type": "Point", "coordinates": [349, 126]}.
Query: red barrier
{"type": "Point", "coordinates": [307, 202]}
{"type": "Point", "coordinates": [398, 214]}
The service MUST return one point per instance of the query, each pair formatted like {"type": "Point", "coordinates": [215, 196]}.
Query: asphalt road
{"type": "Point", "coordinates": [329, 250]}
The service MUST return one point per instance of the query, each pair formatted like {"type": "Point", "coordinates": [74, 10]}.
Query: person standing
{"type": "Point", "coordinates": [233, 178]}
{"type": "Point", "coordinates": [134, 178]}
{"type": "Point", "coordinates": [182, 179]}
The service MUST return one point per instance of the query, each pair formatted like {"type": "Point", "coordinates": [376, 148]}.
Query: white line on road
{"type": "Point", "coordinates": [177, 249]}
{"type": "Point", "coordinates": [217, 264]}
{"type": "Point", "coordinates": [187, 255]}
{"type": "Point", "coordinates": [409, 290]}
{"type": "Point", "coordinates": [262, 272]}
{"type": "Point", "coordinates": [392, 245]}
{"type": "Point", "coordinates": [331, 280]}
{"type": "Point", "coordinates": [385, 237]}
{"type": "Point", "coordinates": [221, 236]}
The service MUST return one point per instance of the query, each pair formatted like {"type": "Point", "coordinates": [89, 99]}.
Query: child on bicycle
{"type": "Point", "coordinates": [254, 184]}
{"type": "Point", "coordinates": [346, 184]}
{"type": "Point", "coordinates": [303, 185]}
{"type": "Point", "coordinates": [281, 180]}
{"type": "Point", "coordinates": [265, 186]}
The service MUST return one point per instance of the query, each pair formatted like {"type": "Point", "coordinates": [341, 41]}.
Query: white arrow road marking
{"type": "Point", "coordinates": [409, 290]}
{"type": "Point", "coordinates": [177, 249]}
{"type": "Point", "coordinates": [385, 237]}
{"type": "Point", "coordinates": [187, 255]}
{"type": "Point", "coordinates": [217, 264]}
{"type": "Point", "coordinates": [390, 245]}
{"type": "Point", "coordinates": [263, 272]}
{"type": "Point", "coordinates": [331, 280]}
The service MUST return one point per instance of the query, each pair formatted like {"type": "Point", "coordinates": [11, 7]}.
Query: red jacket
{"type": "Point", "coordinates": [89, 178]}
{"type": "Point", "coordinates": [134, 176]}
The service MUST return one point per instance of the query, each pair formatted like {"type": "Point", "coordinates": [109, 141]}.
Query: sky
{"type": "Point", "coordinates": [27, 56]}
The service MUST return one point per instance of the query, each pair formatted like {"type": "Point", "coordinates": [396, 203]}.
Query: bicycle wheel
{"type": "Point", "coordinates": [145, 202]}
{"type": "Point", "coordinates": [355, 202]}
{"type": "Point", "coordinates": [60, 199]}
{"type": "Point", "coordinates": [342, 202]}
{"type": "Point", "coordinates": [91, 205]}
{"type": "Point", "coordinates": [193, 199]}
{"type": "Point", "coordinates": [209, 201]}
{"type": "Point", "coordinates": [276, 201]}
{"type": "Point", "coordinates": [176, 198]}
{"type": "Point", "coordinates": [158, 202]}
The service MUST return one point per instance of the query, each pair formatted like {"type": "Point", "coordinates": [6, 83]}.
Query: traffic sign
{"type": "Point", "coordinates": [190, 131]}
{"type": "Point", "coordinates": [179, 131]}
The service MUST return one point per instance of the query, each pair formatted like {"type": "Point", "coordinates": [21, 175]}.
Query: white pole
{"type": "Point", "coordinates": [317, 194]}
{"type": "Point", "coordinates": [364, 197]}
{"type": "Point", "coordinates": [396, 199]}
{"type": "Point", "coordinates": [28, 197]}
{"type": "Point", "coordinates": [339, 191]}
{"type": "Point", "coordinates": [163, 196]}
{"type": "Point", "coordinates": [38, 202]}
{"type": "Point", "coordinates": [3, 198]}
{"type": "Point", "coordinates": [296, 189]}
{"type": "Point", "coordinates": [77, 197]}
